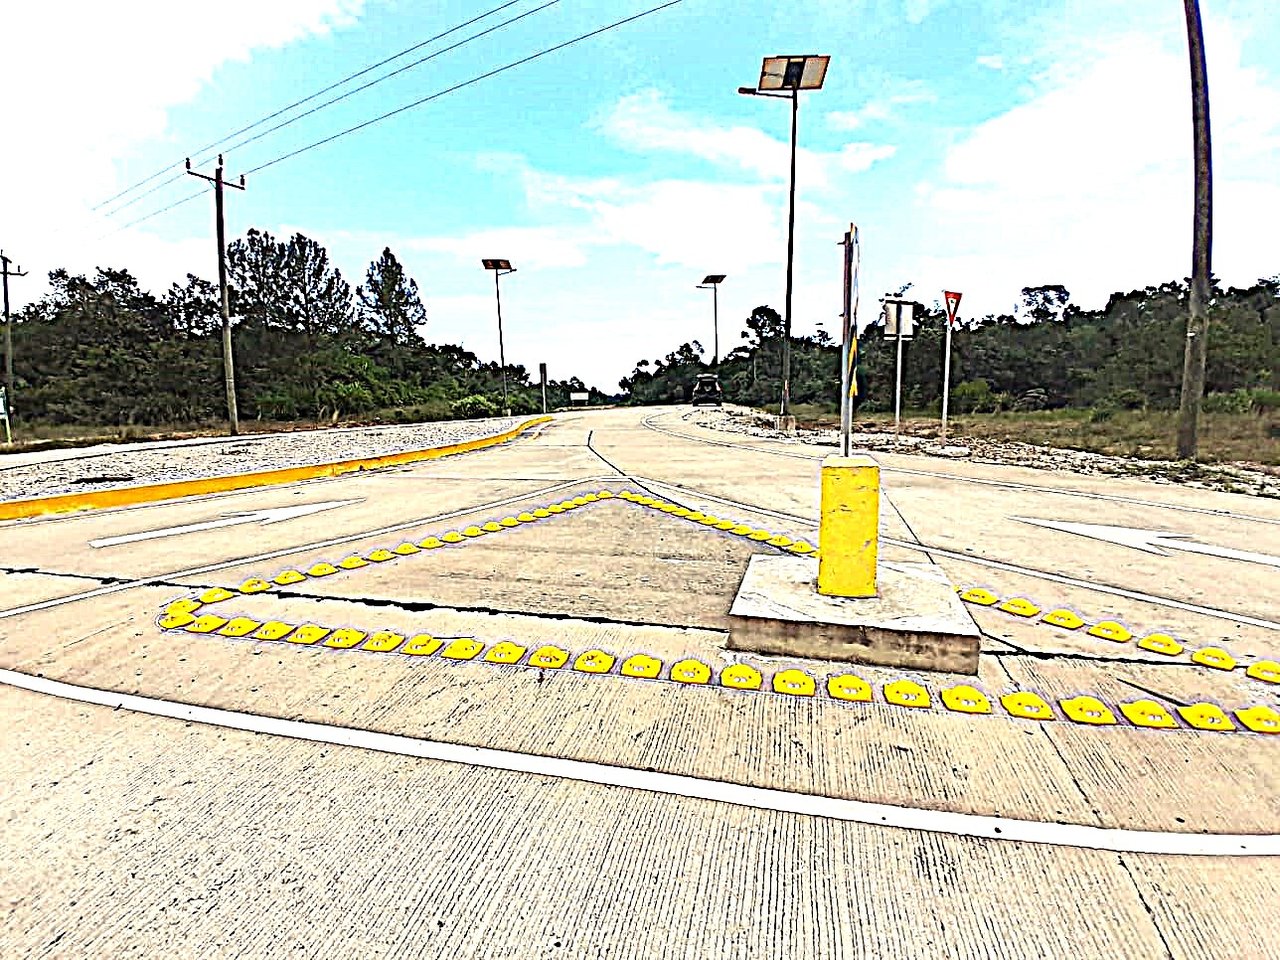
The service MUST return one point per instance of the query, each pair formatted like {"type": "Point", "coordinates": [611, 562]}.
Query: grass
{"type": "Point", "coordinates": [1142, 434]}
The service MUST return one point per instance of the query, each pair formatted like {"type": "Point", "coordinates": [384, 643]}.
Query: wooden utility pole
{"type": "Point", "coordinates": [228, 360]}
{"type": "Point", "coordinates": [8, 329]}
{"type": "Point", "coordinates": [1202, 243]}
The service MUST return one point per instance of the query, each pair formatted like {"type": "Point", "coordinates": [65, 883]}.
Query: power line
{"type": "Point", "coordinates": [427, 99]}
{"type": "Point", "coordinates": [297, 103]}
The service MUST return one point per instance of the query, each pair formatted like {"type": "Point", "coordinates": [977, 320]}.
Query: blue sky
{"type": "Point", "coordinates": [981, 146]}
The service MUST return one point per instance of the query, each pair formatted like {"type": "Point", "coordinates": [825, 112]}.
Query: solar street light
{"type": "Point", "coordinates": [712, 282]}
{"type": "Point", "coordinates": [500, 268]}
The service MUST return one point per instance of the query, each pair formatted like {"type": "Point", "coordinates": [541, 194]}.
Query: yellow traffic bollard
{"type": "Point", "coordinates": [849, 533]}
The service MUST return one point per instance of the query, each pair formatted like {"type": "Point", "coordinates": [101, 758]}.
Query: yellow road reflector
{"type": "Point", "coordinates": [642, 666]}
{"type": "Point", "coordinates": [239, 626]}
{"type": "Point", "coordinates": [541, 513]}
{"type": "Point", "coordinates": [272, 630]}
{"type": "Point", "coordinates": [604, 495]}
{"type": "Point", "coordinates": [384, 641]}
{"type": "Point", "coordinates": [508, 522]}
{"type": "Point", "coordinates": [1260, 719]}
{"type": "Point", "coordinates": [453, 536]}
{"type": "Point", "coordinates": [549, 658]}
{"type": "Point", "coordinates": [741, 677]}
{"type": "Point", "coordinates": [493, 526]}
{"type": "Point", "coordinates": [381, 556]}
{"type": "Point", "coordinates": [779, 541]}
{"type": "Point", "coordinates": [216, 595]}
{"type": "Point", "coordinates": [590, 497]}
{"type": "Point", "coordinates": [1206, 716]}
{"type": "Point", "coordinates": [583, 500]}
{"type": "Point", "coordinates": [464, 648]}
{"type": "Point", "coordinates": [1110, 630]}
{"type": "Point", "coordinates": [174, 621]}
{"type": "Point", "coordinates": [472, 531]}
{"type": "Point", "coordinates": [207, 623]}
{"type": "Point", "coordinates": [906, 693]}
{"type": "Point", "coordinates": [1027, 705]}
{"type": "Point", "coordinates": [1147, 713]}
{"type": "Point", "coordinates": [1214, 657]}
{"type": "Point", "coordinates": [645, 501]}
{"type": "Point", "coordinates": [353, 563]}
{"type": "Point", "coordinates": [254, 585]}
{"type": "Point", "coordinates": [1086, 709]}
{"type": "Point", "coordinates": [965, 699]}
{"type": "Point", "coordinates": [695, 515]}
{"type": "Point", "coordinates": [1064, 619]}
{"type": "Point", "coordinates": [682, 513]}
{"type": "Point", "coordinates": [554, 508]}
{"type": "Point", "coordinates": [422, 645]}
{"type": "Point", "coordinates": [848, 686]}
{"type": "Point", "coordinates": [322, 569]}
{"type": "Point", "coordinates": [187, 605]}
{"type": "Point", "coordinates": [802, 547]}
{"type": "Point", "coordinates": [797, 683]}
{"type": "Point", "coordinates": [1161, 643]}
{"type": "Point", "coordinates": [1268, 671]}
{"type": "Point", "coordinates": [741, 530]}
{"type": "Point", "coordinates": [725, 525]}
{"type": "Point", "coordinates": [308, 633]}
{"type": "Point", "coordinates": [288, 578]}
{"type": "Point", "coordinates": [984, 598]}
{"type": "Point", "coordinates": [504, 652]}
{"type": "Point", "coordinates": [431, 543]}
{"type": "Point", "coordinates": [525, 517]}
{"type": "Point", "coordinates": [594, 661]}
{"type": "Point", "coordinates": [407, 549]}
{"type": "Point", "coordinates": [345, 638]}
{"type": "Point", "coordinates": [759, 535]}
{"type": "Point", "coordinates": [710, 520]}
{"type": "Point", "coordinates": [1019, 607]}
{"type": "Point", "coordinates": [690, 671]}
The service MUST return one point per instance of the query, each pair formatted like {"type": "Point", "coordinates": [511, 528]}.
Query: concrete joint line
{"type": "Point", "coordinates": [762, 798]}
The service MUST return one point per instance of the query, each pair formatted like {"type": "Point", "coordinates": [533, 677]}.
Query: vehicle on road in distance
{"type": "Point", "coordinates": [707, 389]}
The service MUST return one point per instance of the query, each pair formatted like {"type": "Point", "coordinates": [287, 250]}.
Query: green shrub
{"type": "Point", "coordinates": [475, 406]}
{"type": "Point", "coordinates": [972, 396]}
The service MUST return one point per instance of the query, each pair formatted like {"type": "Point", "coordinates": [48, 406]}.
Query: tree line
{"type": "Point", "coordinates": [101, 350]}
{"type": "Point", "coordinates": [1049, 353]}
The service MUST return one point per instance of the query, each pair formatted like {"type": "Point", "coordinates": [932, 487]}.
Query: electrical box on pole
{"type": "Point", "coordinates": [899, 323]}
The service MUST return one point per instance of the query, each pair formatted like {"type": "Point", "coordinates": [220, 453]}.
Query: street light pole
{"type": "Point", "coordinates": [789, 74]}
{"type": "Point", "coordinates": [712, 282]}
{"type": "Point", "coordinates": [499, 268]}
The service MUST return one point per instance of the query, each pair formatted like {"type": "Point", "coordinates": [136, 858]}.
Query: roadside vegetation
{"type": "Point", "coordinates": [1105, 380]}
{"type": "Point", "coordinates": [99, 356]}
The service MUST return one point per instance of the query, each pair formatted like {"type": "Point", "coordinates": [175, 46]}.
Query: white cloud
{"type": "Point", "coordinates": [991, 62]}
{"type": "Point", "coordinates": [1089, 182]}
{"type": "Point", "coordinates": [884, 106]}
{"type": "Point", "coordinates": [88, 83]}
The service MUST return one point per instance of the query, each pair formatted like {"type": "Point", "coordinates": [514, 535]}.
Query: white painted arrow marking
{"type": "Point", "coordinates": [273, 515]}
{"type": "Point", "coordinates": [1151, 541]}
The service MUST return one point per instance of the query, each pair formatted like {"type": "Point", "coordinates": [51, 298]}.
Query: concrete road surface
{"type": "Point", "coordinates": [532, 742]}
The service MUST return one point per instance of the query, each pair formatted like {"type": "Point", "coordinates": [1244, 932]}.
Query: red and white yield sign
{"type": "Point", "coordinates": [953, 304]}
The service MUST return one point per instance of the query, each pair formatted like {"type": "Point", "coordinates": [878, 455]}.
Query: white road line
{"type": "Point", "coordinates": [1007, 484]}
{"type": "Point", "coordinates": [761, 798]}
{"type": "Point", "coordinates": [812, 525]}
{"type": "Point", "coordinates": [288, 551]}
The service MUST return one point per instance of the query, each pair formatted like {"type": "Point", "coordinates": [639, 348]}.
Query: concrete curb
{"type": "Point", "coordinates": [129, 496]}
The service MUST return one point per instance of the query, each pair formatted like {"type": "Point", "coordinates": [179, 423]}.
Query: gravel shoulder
{"type": "Point", "coordinates": [110, 466]}
{"type": "Point", "coordinates": [1229, 478]}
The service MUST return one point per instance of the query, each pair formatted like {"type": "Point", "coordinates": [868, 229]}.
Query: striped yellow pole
{"type": "Point", "coordinates": [849, 532]}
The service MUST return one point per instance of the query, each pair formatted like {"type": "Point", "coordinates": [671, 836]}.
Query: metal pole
{"type": "Point", "coordinates": [1193, 361]}
{"type": "Point", "coordinates": [8, 331]}
{"type": "Point", "coordinates": [228, 361]}
{"type": "Point", "coordinates": [715, 322]}
{"type": "Point", "coordinates": [946, 380]}
{"type": "Point", "coordinates": [791, 247]}
{"type": "Point", "coordinates": [848, 347]}
{"type": "Point", "coordinates": [897, 390]}
{"type": "Point", "coordinates": [542, 372]}
{"type": "Point", "coordinates": [502, 354]}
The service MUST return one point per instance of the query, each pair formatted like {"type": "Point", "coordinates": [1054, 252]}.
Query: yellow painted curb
{"type": "Point", "coordinates": [129, 496]}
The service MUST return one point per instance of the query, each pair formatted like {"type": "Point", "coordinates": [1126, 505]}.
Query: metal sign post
{"type": "Point", "coordinates": [4, 415]}
{"type": "Point", "coordinates": [849, 337]}
{"type": "Point", "coordinates": [542, 373]}
{"type": "Point", "coordinates": [953, 304]}
{"type": "Point", "coordinates": [899, 323]}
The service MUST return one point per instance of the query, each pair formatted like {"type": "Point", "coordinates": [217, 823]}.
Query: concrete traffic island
{"type": "Point", "coordinates": [859, 610]}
